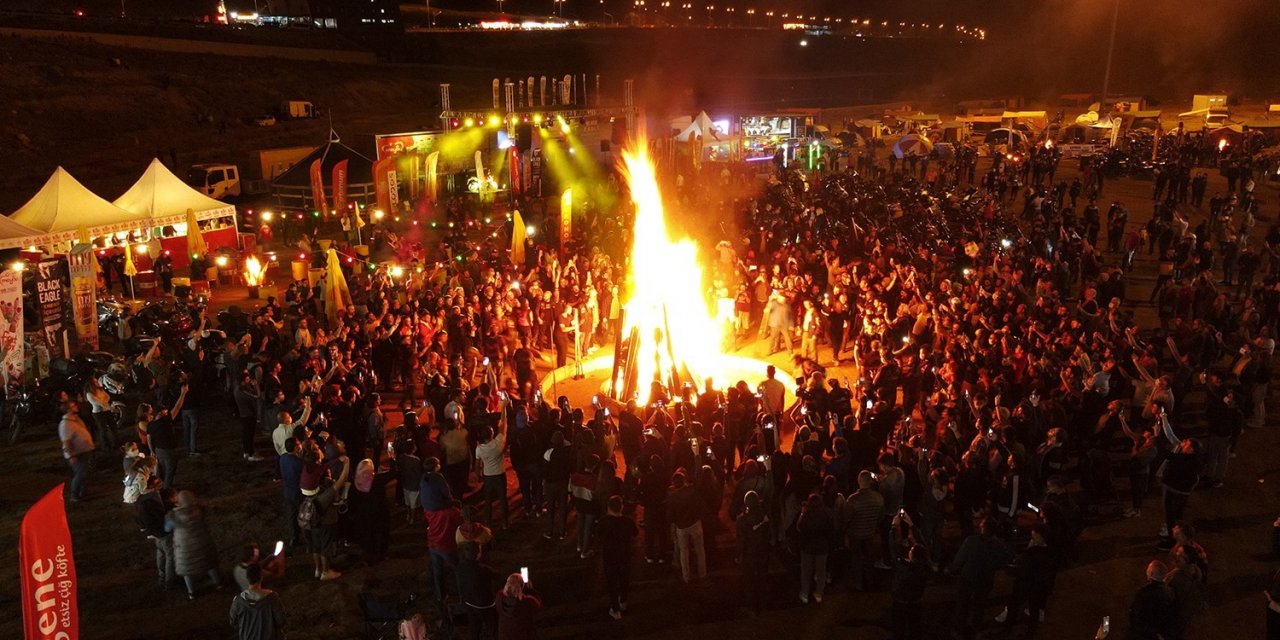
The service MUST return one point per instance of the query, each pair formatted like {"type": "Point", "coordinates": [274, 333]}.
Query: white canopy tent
{"type": "Point", "coordinates": [702, 126]}
{"type": "Point", "coordinates": [13, 234]}
{"type": "Point", "coordinates": [63, 206]}
{"type": "Point", "coordinates": [164, 199]}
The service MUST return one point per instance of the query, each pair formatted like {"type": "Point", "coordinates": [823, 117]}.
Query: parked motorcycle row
{"type": "Point", "coordinates": [128, 372]}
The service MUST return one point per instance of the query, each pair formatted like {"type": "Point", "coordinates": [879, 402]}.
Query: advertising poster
{"type": "Point", "coordinates": [11, 342]}
{"type": "Point", "coordinates": [50, 279]}
{"type": "Point", "coordinates": [48, 571]}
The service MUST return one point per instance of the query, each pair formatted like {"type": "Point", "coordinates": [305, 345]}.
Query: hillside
{"type": "Point", "coordinates": [64, 102]}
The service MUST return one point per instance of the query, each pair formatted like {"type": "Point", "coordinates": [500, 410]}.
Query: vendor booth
{"type": "Point", "coordinates": [63, 208]}
{"type": "Point", "coordinates": [163, 200]}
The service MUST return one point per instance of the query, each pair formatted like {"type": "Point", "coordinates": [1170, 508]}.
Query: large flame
{"type": "Point", "coordinates": [666, 298]}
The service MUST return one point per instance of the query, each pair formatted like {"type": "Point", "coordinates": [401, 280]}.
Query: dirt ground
{"type": "Point", "coordinates": [118, 597]}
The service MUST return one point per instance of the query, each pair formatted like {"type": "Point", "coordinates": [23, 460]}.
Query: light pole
{"type": "Point", "coordinates": [1111, 46]}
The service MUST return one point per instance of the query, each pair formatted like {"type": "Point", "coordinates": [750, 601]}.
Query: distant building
{"type": "Point", "coordinates": [362, 20]}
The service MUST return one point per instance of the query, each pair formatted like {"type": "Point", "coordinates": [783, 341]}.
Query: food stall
{"type": "Point", "coordinates": [163, 201]}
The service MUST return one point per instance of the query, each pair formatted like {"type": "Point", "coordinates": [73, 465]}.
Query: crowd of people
{"type": "Point", "coordinates": [975, 386]}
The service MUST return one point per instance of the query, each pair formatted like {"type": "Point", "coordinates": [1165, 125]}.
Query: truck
{"type": "Point", "coordinates": [225, 180]}
{"type": "Point", "coordinates": [298, 110]}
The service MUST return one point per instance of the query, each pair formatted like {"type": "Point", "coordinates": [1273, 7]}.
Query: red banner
{"type": "Point", "coordinates": [381, 189]}
{"type": "Point", "coordinates": [48, 571]}
{"type": "Point", "coordinates": [340, 187]}
{"type": "Point", "coordinates": [317, 188]}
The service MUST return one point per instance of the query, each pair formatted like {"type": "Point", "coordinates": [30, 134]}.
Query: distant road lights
{"type": "Point", "coordinates": [804, 43]}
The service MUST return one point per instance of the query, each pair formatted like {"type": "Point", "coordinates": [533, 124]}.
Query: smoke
{"type": "Point", "coordinates": [1169, 48]}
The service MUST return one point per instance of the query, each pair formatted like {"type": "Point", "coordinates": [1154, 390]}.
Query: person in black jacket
{"type": "Point", "coordinates": [815, 530]}
{"type": "Point", "coordinates": [1153, 606]}
{"type": "Point", "coordinates": [559, 466]}
{"type": "Point", "coordinates": [1035, 572]}
{"type": "Point", "coordinates": [475, 586]}
{"type": "Point", "coordinates": [684, 512]}
{"type": "Point", "coordinates": [909, 581]}
{"type": "Point", "coordinates": [151, 509]}
{"type": "Point", "coordinates": [754, 532]}
{"type": "Point", "coordinates": [1181, 475]}
{"type": "Point", "coordinates": [617, 535]}
{"type": "Point", "coordinates": [257, 613]}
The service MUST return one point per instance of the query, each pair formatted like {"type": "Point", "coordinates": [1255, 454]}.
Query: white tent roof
{"type": "Point", "coordinates": [13, 234]}
{"type": "Point", "coordinates": [164, 198]}
{"type": "Point", "coordinates": [701, 126]}
{"type": "Point", "coordinates": [63, 206]}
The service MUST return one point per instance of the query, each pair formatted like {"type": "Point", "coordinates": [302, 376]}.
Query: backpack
{"type": "Point", "coordinates": [308, 514]}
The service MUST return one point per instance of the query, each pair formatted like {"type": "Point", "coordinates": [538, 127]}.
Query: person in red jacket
{"type": "Point", "coordinates": [442, 543]}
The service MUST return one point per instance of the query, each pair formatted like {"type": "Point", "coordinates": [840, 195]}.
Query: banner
{"type": "Point", "coordinates": [11, 342]}
{"type": "Point", "coordinates": [317, 188]}
{"type": "Point", "coordinates": [340, 187]}
{"type": "Point", "coordinates": [382, 194]}
{"type": "Point", "coordinates": [48, 571]}
{"type": "Point", "coordinates": [566, 218]}
{"type": "Point", "coordinates": [518, 235]}
{"type": "Point", "coordinates": [513, 166]}
{"type": "Point", "coordinates": [84, 303]}
{"type": "Point", "coordinates": [50, 276]}
{"type": "Point", "coordinates": [433, 182]}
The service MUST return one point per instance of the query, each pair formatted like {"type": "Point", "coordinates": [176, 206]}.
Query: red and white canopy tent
{"type": "Point", "coordinates": [163, 200]}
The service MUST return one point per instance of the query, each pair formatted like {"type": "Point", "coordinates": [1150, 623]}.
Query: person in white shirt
{"type": "Point", "coordinates": [284, 430]}
{"type": "Point", "coordinates": [773, 396]}
{"type": "Point", "coordinates": [77, 447]}
{"type": "Point", "coordinates": [491, 467]}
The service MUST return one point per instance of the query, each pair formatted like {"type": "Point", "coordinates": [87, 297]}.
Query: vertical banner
{"type": "Point", "coordinates": [566, 218]}
{"type": "Point", "coordinates": [433, 182]}
{"type": "Point", "coordinates": [317, 188]}
{"type": "Point", "coordinates": [513, 167]}
{"type": "Point", "coordinates": [495, 93]}
{"type": "Point", "coordinates": [381, 187]}
{"type": "Point", "coordinates": [48, 571]}
{"type": "Point", "coordinates": [84, 304]}
{"type": "Point", "coordinates": [340, 187]}
{"type": "Point", "coordinates": [11, 342]}
{"type": "Point", "coordinates": [518, 235]}
{"type": "Point", "coordinates": [49, 287]}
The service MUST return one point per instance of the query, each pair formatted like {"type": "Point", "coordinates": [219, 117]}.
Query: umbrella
{"type": "Point", "coordinates": [336, 294]}
{"type": "Point", "coordinates": [912, 145]}
{"type": "Point", "coordinates": [129, 268]}
{"type": "Point", "coordinates": [518, 233]}
{"type": "Point", "coordinates": [195, 240]}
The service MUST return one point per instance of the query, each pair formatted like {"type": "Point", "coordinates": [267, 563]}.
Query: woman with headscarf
{"type": "Point", "coordinates": [195, 553]}
{"type": "Point", "coordinates": [369, 512]}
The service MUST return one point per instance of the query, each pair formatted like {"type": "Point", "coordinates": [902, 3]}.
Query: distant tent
{"type": "Point", "coordinates": [63, 206]}
{"type": "Point", "coordinates": [292, 189]}
{"type": "Point", "coordinates": [702, 126]}
{"type": "Point", "coordinates": [165, 199]}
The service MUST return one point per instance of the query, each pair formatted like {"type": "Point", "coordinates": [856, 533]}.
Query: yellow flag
{"type": "Point", "coordinates": [195, 240]}
{"type": "Point", "coordinates": [517, 238]}
{"type": "Point", "coordinates": [336, 294]}
{"type": "Point", "coordinates": [129, 269]}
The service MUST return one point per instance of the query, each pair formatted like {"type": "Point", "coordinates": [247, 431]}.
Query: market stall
{"type": "Point", "coordinates": [164, 200]}
{"type": "Point", "coordinates": [63, 207]}
{"type": "Point", "coordinates": [309, 184]}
